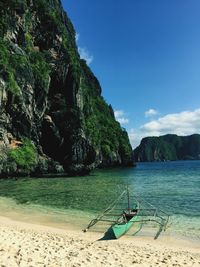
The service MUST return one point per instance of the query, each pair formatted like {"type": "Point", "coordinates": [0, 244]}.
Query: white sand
{"type": "Point", "coordinates": [25, 245]}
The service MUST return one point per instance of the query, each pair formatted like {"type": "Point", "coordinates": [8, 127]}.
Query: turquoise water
{"type": "Point", "coordinates": [172, 186]}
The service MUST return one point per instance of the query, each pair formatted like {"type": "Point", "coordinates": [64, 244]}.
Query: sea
{"type": "Point", "coordinates": [173, 187]}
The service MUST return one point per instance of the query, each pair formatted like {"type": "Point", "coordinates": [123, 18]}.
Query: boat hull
{"type": "Point", "coordinates": [121, 228]}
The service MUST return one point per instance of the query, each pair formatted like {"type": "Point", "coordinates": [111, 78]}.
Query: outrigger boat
{"type": "Point", "coordinates": [127, 219]}
{"type": "Point", "coordinates": [137, 211]}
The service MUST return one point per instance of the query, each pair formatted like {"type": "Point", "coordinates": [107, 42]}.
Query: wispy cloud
{"type": "Point", "coordinates": [83, 51]}
{"type": "Point", "coordinates": [85, 54]}
{"type": "Point", "coordinates": [135, 137]}
{"type": "Point", "coordinates": [151, 112]}
{"type": "Point", "coordinates": [120, 116]}
{"type": "Point", "coordinates": [183, 123]}
{"type": "Point", "coordinates": [77, 36]}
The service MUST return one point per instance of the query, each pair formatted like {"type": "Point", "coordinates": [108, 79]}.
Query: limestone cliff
{"type": "Point", "coordinates": [52, 115]}
{"type": "Point", "coordinates": [168, 147]}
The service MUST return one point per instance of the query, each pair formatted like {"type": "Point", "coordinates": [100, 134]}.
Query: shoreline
{"type": "Point", "coordinates": [34, 244]}
{"type": "Point", "coordinates": [77, 220]}
{"type": "Point", "coordinates": [166, 240]}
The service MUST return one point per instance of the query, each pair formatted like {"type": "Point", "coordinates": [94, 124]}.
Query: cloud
{"type": "Point", "coordinates": [183, 123]}
{"type": "Point", "coordinates": [135, 137]}
{"type": "Point", "coordinates": [84, 54]}
{"type": "Point", "coordinates": [83, 51]}
{"type": "Point", "coordinates": [123, 120]}
{"type": "Point", "coordinates": [77, 36]}
{"type": "Point", "coordinates": [120, 116]}
{"type": "Point", "coordinates": [151, 112]}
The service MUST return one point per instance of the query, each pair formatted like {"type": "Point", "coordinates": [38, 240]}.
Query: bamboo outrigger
{"type": "Point", "coordinates": [137, 210]}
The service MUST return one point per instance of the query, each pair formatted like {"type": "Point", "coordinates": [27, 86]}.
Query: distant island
{"type": "Point", "coordinates": [168, 147]}
{"type": "Point", "coordinates": [53, 117]}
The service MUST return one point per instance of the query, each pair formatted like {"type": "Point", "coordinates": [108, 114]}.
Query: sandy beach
{"type": "Point", "coordinates": [30, 245]}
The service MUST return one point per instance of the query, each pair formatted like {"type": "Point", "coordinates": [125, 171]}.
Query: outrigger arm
{"type": "Point", "coordinates": [155, 215]}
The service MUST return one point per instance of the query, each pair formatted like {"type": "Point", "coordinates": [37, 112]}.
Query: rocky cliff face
{"type": "Point", "coordinates": [52, 115]}
{"type": "Point", "coordinates": [168, 147]}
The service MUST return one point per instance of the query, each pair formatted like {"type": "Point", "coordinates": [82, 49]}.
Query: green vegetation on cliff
{"type": "Point", "coordinates": [168, 147]}
{"type": "Point", "coordinates": [25, 156]}
{"type": "Point", "coordinates": [8, 63]}
{"type": "Point", "coordinates": [100, 125]}
{"type": "Point", "coordinates": [41, 70]}
{"type": "Point", "coordinates": [50, 96]}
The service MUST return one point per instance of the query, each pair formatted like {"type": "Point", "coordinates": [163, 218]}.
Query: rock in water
{"type": "Point", "coordinates": [52, 115]}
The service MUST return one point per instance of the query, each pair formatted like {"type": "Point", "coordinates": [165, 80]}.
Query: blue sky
{"type": "Point", "coordinates": [146, 55]}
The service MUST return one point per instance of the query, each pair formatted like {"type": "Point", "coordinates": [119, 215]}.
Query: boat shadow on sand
{"type": "Point", "coordinates": [108, 235]}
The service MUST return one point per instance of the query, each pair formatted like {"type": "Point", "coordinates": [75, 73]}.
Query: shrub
{"type": "Point", "coordinates": [25, 157]}
{"type": "Point", "coordinates": [41, 69]}
{"type": "Point", "coordinates": [106, 150]}
{"type": "Point", "coordinates": [8, 68]}
{"type": "Point", "coordinates": [29, 42]}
